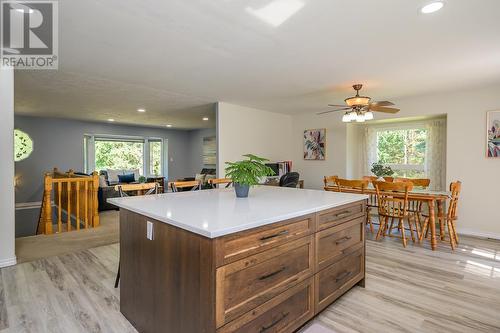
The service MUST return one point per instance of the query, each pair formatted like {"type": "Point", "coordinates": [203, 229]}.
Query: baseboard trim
{"type": "Point", "coordinates": [8, 262]}
{"type": "Point", "coordinates": [28, 205]}
{"type": "Point", "coordinates": [475, 233]}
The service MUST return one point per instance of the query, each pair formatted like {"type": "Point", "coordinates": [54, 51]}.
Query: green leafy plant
{"type": "Point", "coordinates": [249, 171]}
{"type": "Point", "coordinates": [380, 170]}
{"type": "Point", "coordinates": [142, 179]}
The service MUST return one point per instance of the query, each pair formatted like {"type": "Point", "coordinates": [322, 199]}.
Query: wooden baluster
{"type": "Point", "coordinates": [86, 203]}
{"type": "Point", "coordinates": [95, 201]}
{"type": "Point", "coordinates": [59, 207]}
{"type": "Point", "coordinates": [68, 211]}
{"type": "Point", "coordinates": [77, 184]}
{"type": "Point", "coordinates": [47, 205]}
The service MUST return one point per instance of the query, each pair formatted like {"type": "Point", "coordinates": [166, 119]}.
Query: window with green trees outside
{"type": "Point", "coordinates": [403, 150]}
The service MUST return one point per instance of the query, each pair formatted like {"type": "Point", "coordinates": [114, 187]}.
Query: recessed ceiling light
{"type": "Point", "coordinates": [111, 120]}
{"type": "Point", "coordinates": [169, 125]}
{"type": "Point", "coordinates": [432, 7]}
{"type": "Point", "coordinates": [205, 118]}
{"type": "Point", "coordinates": [141, 110]}
{"type": "Point", "coordinates": [277, 11]}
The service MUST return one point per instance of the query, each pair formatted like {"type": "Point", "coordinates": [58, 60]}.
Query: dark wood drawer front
{"type": "Point", "coordinates": [339, 277]}
{"type": "Point", "coordinates": [336, 216]}
{"type": "Point", "coordinates": [245, 284]}
{"type": "Point", "coordinates": [284, 313]}
{"type": "Point", "coordinates": [244, 244]}
{"type": "Point", "coordinates": [335, 243]}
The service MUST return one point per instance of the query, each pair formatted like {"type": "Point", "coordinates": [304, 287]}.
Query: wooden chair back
{"type": "Point", "coordinates": [388, 179]}
{"type": "Point", "coordinates": [220, 181]}
{"type": "Point", "coordinates": [193, 184]}
{"type": "Point", "coordinates": [151, 188]}
{"type": "Point", "coordinates": [455, 189]}
{"type": "Point", "coordinates": [392, 198]}
{"type": "Point", "coordinates": [330, 180]}
{"type": "Point", "coordinates": [418, 182]}
{"type": "Point", "coordinates": [349, 184]}
{"type": "Point", "coordinates": [370, 178]}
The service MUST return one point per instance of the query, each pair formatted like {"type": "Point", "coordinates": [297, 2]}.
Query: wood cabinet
{"type": "Point", "coordinates": [269, 279]}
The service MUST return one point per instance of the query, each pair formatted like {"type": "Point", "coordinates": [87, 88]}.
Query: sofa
{"type": "Point", "coordinates": [108, 179]}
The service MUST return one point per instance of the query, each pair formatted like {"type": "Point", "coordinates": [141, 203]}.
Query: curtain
{"type": "Point", "coordinates": [435, 154]}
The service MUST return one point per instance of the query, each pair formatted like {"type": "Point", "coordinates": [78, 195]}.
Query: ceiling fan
{"type": "Point", "coordinates": [359, 108]}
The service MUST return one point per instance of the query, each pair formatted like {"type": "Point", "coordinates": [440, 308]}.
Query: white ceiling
{"type": "Point", "coordinates": [177, 57]}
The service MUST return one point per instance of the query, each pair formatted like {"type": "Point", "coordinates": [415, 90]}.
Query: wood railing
{"type": "Point", "coordinates": [74, 198]}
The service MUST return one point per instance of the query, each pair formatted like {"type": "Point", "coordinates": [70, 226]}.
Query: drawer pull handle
{"type": "Point", "coordinates": [267, 276]}
{"type": "Point", "coordinates": [343, 239]}
{"type": "Point", "coordinates": [342, 276]}
{"type": "Point", "coordinates": [281, 233]}
{"type": "Point", "coordinates": [342, 214]}
{"type": "Point", "coordinates": [265, 328]}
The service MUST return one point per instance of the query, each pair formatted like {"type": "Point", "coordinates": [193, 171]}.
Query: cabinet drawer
{"type": "Point", "coordinates": [337, 278]}
{"type": "Point", "coordinates": [245, 284]}
{"type": "Point", "coordinates": [336, 216]}
{"type": "Point", "coordinates": [284, 313]}
{"type": "Point", "coordinates": [334, 243]}
{"type": "Point", "coordinates": [244, 244]}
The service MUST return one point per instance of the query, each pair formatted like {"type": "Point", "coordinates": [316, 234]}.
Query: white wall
{"type": "Point", "coordinates": [242, 130]}
{"type": "Point", "coordinates": [466, 151]}
{"type": "Point", "coordinates": [7, 252]}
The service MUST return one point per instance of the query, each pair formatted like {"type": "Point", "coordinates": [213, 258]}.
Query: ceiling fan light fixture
{"type": "Point", "coordinates": [369, 115]}
{"type": "Point", "coordinates": [346, 118]}
{"type": "Point", "coordinates": [357, 101]}
{"type": "Point", "coordinates": [360, 118]}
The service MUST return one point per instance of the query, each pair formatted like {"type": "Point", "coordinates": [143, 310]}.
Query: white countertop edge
{"type": "Point", "coordinates": [243, 227]}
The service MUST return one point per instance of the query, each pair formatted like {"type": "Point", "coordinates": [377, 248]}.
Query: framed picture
{"type": "Point", "coordinates": [315, 144]}
{"type": "Point", "coordinates": [493, 134]}
{"type": "Point", "coordinates": [209, 150]}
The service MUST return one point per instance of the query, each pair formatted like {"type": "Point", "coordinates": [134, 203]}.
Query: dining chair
{"type": "Point", "coordinates": [416, 206]}
{"type": "Point", "coordinates": [451, 215]}
{"type": "Point", "coordinates": [356, 185]}
{"type": "Point", "coordinates": [192, 184]}
{"type": "Point", "coordinates": [388, 179]}
{"type": "Point", "coordinates": [370, 178]}
{"type": "Point", "coordinates": [393, 204]}
{"type": "Point", "coordinates": [214, 182]}
{"type": "Point", "coordinates": [330, 181]}
{"type": "Point", "coordinates": [122, 189]}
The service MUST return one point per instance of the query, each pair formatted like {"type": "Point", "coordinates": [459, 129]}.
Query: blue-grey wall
{"type": "Point", "coordinates": [59, 143]}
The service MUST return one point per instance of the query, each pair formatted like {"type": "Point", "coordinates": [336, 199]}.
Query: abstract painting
{"type": "Point", "coordinates": [209, 150]}
{"type": "Point", "coordinates": [493, 132]}
{"type": "Point", "coordinates": [315, 144]}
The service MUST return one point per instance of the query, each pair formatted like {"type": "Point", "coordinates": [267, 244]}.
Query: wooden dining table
{"type": "Point", "coordinates": [435, 200]}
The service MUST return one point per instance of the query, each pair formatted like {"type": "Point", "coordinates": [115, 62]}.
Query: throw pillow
{"type": "Point", "coordinates": [113, 175]}
{"type": "Point", "coordinates": [134, 171]}
{"type": "Point", "coordinates": [129, 178]}
{"type": "Point", "coordinates": [200, 177]}
{"type": "Point", "coordinates": [102, 181]}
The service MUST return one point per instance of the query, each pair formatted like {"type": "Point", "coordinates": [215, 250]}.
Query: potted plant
{"type": "Point", "coordinates": [380, 170]}
{"type": "Point", "coordinates": [142, 179]}
{"type": "Point", "coordinates": [247, 172]}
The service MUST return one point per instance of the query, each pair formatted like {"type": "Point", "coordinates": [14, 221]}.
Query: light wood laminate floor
{"type": "Point", "coordinates": [407, 290]}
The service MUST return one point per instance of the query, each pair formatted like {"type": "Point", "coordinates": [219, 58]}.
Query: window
{"type": "Point", "coordinates": [155, 157]}
{"type": "Point", "coordinates": [125, 153]}
{"type": "Point", "coordinates": [403, 150]}
{"type": "Point", "coordinates": [119, 155]}
{"type": "Point", "coordinates": [413, 149]}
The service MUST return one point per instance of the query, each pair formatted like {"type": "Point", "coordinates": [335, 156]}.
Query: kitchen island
{"type": "Point", "coordinates": [206, 261]}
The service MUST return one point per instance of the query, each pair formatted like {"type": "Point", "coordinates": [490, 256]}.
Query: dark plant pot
{"type": "Point", "coordinates": [241, 190]}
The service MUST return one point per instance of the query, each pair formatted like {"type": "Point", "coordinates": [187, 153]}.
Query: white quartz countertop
{"type": "Point", "coordinates": [215, 213]}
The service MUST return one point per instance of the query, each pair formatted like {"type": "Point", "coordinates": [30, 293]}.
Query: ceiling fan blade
{"type": "Point", "coordinates": [338, 105]}
{"type": "Point", "coordinates": [336, 110]}
{"type": "Point", "coordinates": [383, 109]}
{"type": "Point", "coordinates": [382, 103]}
